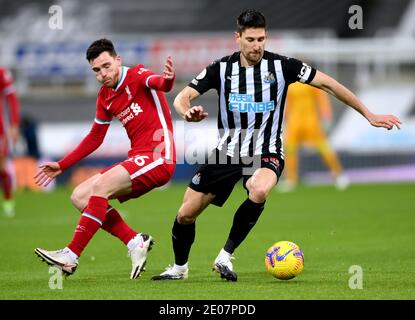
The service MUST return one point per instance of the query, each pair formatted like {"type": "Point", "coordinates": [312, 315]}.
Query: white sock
{"type": "Point", "coordinates": [134, 242]}
{"type": "Point", "coordinates": [72, 254]}
{"type": "Point", "coordinates": [223, 252]}
{"type": "Point", "coordinates": [182, 267]}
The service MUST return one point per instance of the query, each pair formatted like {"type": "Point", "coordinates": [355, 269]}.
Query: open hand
{"type": "Point", "coordinates": [48, 171]}
{"type": "Point", "coordinates": [168, 72]}
{"type": "Point", "coordinates": [195, 114]}
{"type": "Point", "coordinates": [385, 121]}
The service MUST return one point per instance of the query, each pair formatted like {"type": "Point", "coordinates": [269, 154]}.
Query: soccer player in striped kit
{"type": "Point", "coordinates": [136, 97]}
{"type": "Point", "coordinates": [8, 91]}
{"type": "Point", "coordinates": [252, 87]}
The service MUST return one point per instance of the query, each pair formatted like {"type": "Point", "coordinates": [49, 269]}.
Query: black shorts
{"type": "Point", "coordinates": [219, 178]}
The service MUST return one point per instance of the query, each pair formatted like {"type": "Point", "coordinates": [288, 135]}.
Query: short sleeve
{"type": "Point", "coordinates": [207, 79]}
{"type": "Point", "coordinates": [296, 70]}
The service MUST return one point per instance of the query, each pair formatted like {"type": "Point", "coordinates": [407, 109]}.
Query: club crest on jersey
{"type": "Point", "coordinates": [196, 179]}
{"type": "Point", "coordinates": [269, 77]}
{"type": "Point", "coordinates": [127, 90]}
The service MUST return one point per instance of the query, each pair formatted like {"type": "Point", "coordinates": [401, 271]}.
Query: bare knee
{"type": "Point", "coordinates": [184, 218]}
{"type": "Point", "coordinates": [79, 199]}
{"type": "Point", "coordinates": [258, 194]}
{"type": "Point", "coordinates": [194, 203]}
{"type": "Point", "coordinates": [80, 196]}
{"type": "Point", "coordinates": [188, 213]}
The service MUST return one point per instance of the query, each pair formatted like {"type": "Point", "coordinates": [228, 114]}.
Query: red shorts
{"type": "Point", "coordinates": [146, 174]}
{"type": "Point", "coordinates": [4, 145]}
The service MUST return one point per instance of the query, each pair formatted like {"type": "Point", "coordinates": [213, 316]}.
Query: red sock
{"type": "Point", "coordinates": [91, 220]}
{"type": "Point", "coordinates": [115, 225]}
{"type": "Point", "coordinates": [6, 182]}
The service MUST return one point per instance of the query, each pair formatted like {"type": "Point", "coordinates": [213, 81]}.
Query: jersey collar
{"type": "Point", "coordinates": [123, 75]}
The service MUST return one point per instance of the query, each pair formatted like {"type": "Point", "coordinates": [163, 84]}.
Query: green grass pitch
{"type": "Point", "coordinates": [371, 226]}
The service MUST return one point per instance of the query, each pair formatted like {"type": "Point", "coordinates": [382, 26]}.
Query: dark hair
{"type": "Point", "coordinates": [99, 46]}
{"type": "Point", "coordinates": [250, 19]}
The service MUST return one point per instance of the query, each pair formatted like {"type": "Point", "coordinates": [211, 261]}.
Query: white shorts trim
{"type": "Point", "coordinates": [147, 168]}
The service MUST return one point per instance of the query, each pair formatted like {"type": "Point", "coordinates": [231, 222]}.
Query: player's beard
{"type": "Point", "coordinates": [108, 83]}
{"type": "Point", "coordinates": [253, 57]}
{"type": "Point", "coordinates": [111, 82]}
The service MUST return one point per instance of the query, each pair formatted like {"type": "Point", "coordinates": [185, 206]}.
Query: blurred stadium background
{"type": "Point", "coordinates": [58, 90]}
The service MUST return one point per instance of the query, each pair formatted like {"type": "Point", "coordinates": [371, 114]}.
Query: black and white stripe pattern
{"type": "Point", "coordinates": [255, 131]}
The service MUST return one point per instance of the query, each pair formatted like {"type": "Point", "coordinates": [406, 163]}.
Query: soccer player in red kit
{"type": "Point", "coordinates": [8, 91]}
{"type": "Point", "coordinates": [136, 97]}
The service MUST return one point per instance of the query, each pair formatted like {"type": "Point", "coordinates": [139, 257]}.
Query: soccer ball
{"type": "Point", "coordinates": [284, 260]}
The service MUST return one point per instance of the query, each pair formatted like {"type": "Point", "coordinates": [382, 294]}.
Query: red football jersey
{"type": "Point", "coordinates": [144, 112]}
{"type": "Point", "coordinates": [8, 91]}
{"type": "Point", "coordinates": [141, 109]}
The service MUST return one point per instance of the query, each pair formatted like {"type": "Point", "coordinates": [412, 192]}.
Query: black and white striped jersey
{"type": "Point", "coordinates": [251, 100]}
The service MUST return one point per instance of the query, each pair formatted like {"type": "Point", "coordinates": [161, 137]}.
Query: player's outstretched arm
{"type": "Point", "coordinates": [330, 85]}
{"type": "Point", "coordinates": [182, 104]}
{"type": "Point", "coordinates": [165, 81]}
{"type": "Point", "coordinates": [48, 171]}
